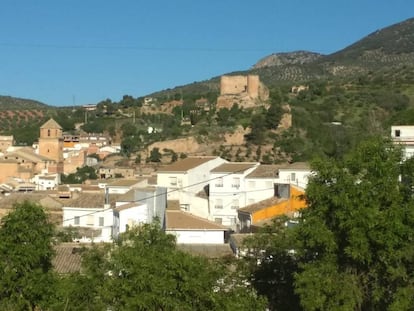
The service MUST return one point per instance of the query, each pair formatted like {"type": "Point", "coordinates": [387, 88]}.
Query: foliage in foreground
{"type": "Point", "coordinates": [26, 253]}
{"type": "Point", "coordinates": [353, 246]}
{"type": "Point", "coordinates": [145, 271]}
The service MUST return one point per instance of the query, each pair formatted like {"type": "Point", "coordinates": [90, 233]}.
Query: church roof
{"type": "Point", "coordinates": [51, 124]}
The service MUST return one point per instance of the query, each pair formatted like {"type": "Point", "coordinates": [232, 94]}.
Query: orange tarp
{"type": "Point", "coordinates": [294, 203]}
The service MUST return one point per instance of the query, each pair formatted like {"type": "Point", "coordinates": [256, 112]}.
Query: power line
{"type": "Point", "coordinates": [175, 190]}
{"type": "Point", "coordinates": [157, 195]}
{"type": "Point", "coordinates": [129, 47]}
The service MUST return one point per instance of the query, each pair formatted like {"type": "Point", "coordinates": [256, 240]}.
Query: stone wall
{"type": "Point", "coordinates": [246, 91]}
{"type": "Point", "coordinates": [187, 145]}
{"type": "Point", "coordinates": [238, 85]}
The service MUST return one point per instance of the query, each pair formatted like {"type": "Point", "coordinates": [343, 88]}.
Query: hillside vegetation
{"type": "Point", "coordinates": [353, 93]}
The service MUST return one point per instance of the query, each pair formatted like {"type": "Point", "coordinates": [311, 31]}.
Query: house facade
{"type": "Point", "coordinates": [190, 229]}
{"type": "Point", "coordinates": [185, 179]}
{"type": "Point", "coordinates": [141, 205]}
{"type": "Point", "coordinates": [294, 174]}
{"type": "Point", "coordinates": [228, 191]}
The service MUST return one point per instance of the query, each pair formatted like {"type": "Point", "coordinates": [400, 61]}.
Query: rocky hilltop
{"type": "Point", "coordinates": [291, 58]}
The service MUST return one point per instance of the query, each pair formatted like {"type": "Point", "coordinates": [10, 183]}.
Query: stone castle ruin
{"type": "Point", "coordinates": [246, 91]}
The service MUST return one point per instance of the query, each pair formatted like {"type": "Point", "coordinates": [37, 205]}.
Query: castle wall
{"type": "Point", "coordinates": [238, 85]}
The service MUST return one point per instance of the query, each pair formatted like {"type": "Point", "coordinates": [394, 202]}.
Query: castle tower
{"type": "Point", "coordinates": [51, 141]}
{"type": "Point", "coordinates": [253, 83]}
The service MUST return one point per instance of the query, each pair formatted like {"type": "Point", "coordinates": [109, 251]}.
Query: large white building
{"type": "Point", "coordinates": [228, 191]}
{"type": "Point", "coordinates": [185, 179]}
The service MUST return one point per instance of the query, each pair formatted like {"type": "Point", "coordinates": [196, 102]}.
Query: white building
{"type": "Point", "coordinates": [46, 182]}
{"type": "Point", "coordinates": [99, 219]}
{"type": "Point", "coordinates": [404, 136]}
{"type": "Point", "coordinates": [138, 206]}
{"type": "Point", "coordinates": [129, 215]}
{"type": "Point", "coordinates": [260, 183]}
{"type": "Point", "coordinates": [91, 213]}
{"type": "Point", "coordinates": [228, 191]}
{"type": "Point", "coordinates": [190, 229]}
{"type": "Point", "coordinates": [121, 186]}
{"type": "Point", "coordinates": [185, 179]}
{"type": "Point", "coordinates": [294, 174]}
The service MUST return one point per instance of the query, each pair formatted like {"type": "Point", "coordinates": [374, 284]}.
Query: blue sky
{"type": "Point", "coordinates": [63, 52]}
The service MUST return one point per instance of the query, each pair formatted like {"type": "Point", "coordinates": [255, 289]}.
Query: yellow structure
{"type": "Point", "coordinates": [261, 212]}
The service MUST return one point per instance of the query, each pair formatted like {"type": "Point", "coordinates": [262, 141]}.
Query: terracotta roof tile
{"type": "Point", "coordinates": [125, 182]}
{"type": "Point", "coordinates": [261, 205]}
{"type": "Point", "coordinates": [233, 167]}
{"type": "Point", "coordinates": [179, 220]}
{"type": "Point", "coordinates": [51, 124]}
{"type": "Point", "coordinates": [264, 171]}
{"type": "Point", "coordinates": [185, 164]}
{"type": "Point", "coordinates": [68, 258]}
{"type": "Point", "coordinates": [296, 166]}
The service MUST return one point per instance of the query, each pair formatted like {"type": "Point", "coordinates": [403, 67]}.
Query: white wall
{"type": "Point", "coordinates": [230, 192]}
{"type": "Point", "coordinates": [133, 216]}
{"type": "Point", "coordinates": [405, 131]}
{"type": "Point", "coordinates": [198, 236]}
{"type": "Point", "coordinates": [188, 184]}
{"type": "Point", "coordinates": [90, 217]}
{"type": "Point", "coordinates": [259, 189]}
{"type": "Point", "coordinates": [297, 177]}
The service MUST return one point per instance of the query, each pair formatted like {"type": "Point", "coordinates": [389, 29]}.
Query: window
{"type": "Point", "coordinates": [90, 220]}
{"type": "Point", "coordinates": [77, 220]}
{"type": "Point", "coordinates": [218, 220]}
{"type": "Point", "coordinates": [101, 221]}
{"type": "Point", "coordinates": [397, 133]}
{"type": "Point", "coordinates": [293, 176]}
{"type": "Point", "coordinates": [233, 221]}
{"type": "Point", "coordinates": [219, 204]}
{"type": "Point", "coordinates": [219, 182]}
{"type": "Point", "coordinates": [48, 133]}
{"type": "Point", "coordinates": [173, 181]}
{"type": "Point", "coordinates": [236, 182]}
{"type": "Point", "coordinates": [185, 207]}
{"type": "Point", "coordinates": [235, 204]}
{"type": "Point", "coordinates": [252, 184]}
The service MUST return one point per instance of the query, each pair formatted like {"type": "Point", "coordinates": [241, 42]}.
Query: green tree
{"type": "Point", "coordinates": [258, 129]}
{"type": "Point", "coordinates": [26, 252]}
{"type": "Point", "coordinates": [81, 174]}
{"type": "Point", "coordinates": [155, 155]}
{"type": "Point", "coordinates": [128, 129]}
{"type": "Point", "coordinates": [355, 237]}
{"type": "Point", "coordinates": [145, 271]}
{"type": "Point", "coordinates": [273, 116]}
{"type": "Point", "coordinates": [270, 264]}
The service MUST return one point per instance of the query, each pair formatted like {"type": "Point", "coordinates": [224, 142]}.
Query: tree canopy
{"type": "Point", "coordinates": [352, 246]}
{"type": "Point", "coordinates": [26, 253]}
{"type": "Point", "coordinates": [144, 270]}
{"type": "Point", "coordinates": [355, 238]}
